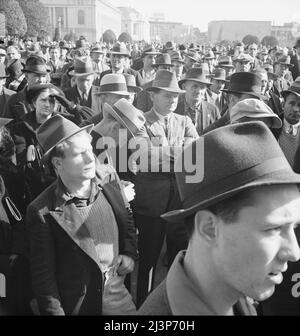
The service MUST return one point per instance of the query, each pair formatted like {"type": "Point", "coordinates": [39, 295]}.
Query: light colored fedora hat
{"type": "Point", "coordinates": [165, 80]}
{"type": "Point", "coordinates": [112, 83]}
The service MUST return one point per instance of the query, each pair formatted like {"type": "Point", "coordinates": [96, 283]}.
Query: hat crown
{"type": "Point", "coordinates": [165, 79]}
{"type": "Point", "coordinates": [130, 79]}
{"type": "Point", "coordinates": [113, 83]}
{"type": "Point", "coordinates": [176, 56]}
{"type": "Point", "coordinates": [231, 143]}
{"type": "Point", "coordinates": [112, 79]}
{"type": "Point", "coordinates": [225, 60]}
{"type": "Point", "coordinates": [120, 48]}
{"type": "Point", "coordinates": [245, 82]}
{"type": "Point", "coordinates": [83, 65]}
{"type": "Point", "coordinates": [219, 73]}
{"type": "Point", "coordinates": [54, 130]}
{"type": "Point", "coordinates": [163, 59]}
{"type": "Point", "coordinates": [197, 73]}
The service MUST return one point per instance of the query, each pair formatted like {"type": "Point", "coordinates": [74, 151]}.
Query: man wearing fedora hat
{"type": "Point", "coordinates": [218, 82]}
{"type": "Point", "coordinates": [148, 57]}
{"type": "Point", "coordinates": [144, 101]}
{"type": "Point", "coordinates": [240, 216]}
{"type": "Point", "coordinates": [282, 67]}
{"type": "Point", "coordinates": [295, 60]}
{"type": "Point", "coordinates": [243, 62]}
{"type": "Point", "coordinates": [4, 92]}
{"type": "Point", "coordinates": [225, 62]}
{"type": "Point", "coordinates": [194, 104]}
{"type": "Point", "coordinates": [242, 85]}
{"type": "Point", "coordinates": [97, 55]}
{"type": "Point", "coordinates": [156, 191]}
{"type": "Point", "coordinates": [36, 72]}
{"type": "Point", "coordinates": [84, 74]}
{"type": "Point", "coordinates": [178, 63]}
{"type": "Point", "coordinates": [56, 65]}
{"type": "Point", "coordinates": [119, 55]}
{"type": "Point", "coordinates": [81, 232]}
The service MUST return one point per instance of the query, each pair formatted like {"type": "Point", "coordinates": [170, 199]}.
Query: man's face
{"type": "Point", "coordinates": [164, 102]}
{"type": "Point", "coordinates": [253, 50]}
{"type": "Point", "coordinates": [84, 83]}
{"type": "Point", "coordinates": [264, 82]}
{"type": "Point", "coordinates": [55, 54]}
{"type": "Point", "coordinates": [112, 98]}
{"type": "Point", "coordinates": [217, 85]}
{"type": "Point", "coordinates": [242, 66]}
{"type": "Point", "coordinates": [195, 91]}
{"type": "Point", "coordinates": [251, 253]}
{"type": "Point", "coordinates": [12, 53]}
{"type": "Point", "coordinates": [118, 61]}
{"type": "Point", "coordinates": [178, 69]}
{"type": "Point", "coordinates": [34, 78]}
{"type": "Point", "coordinates": [149, 60]}
{"type": "Point", "coordinates": [96, 57]}
{"type": "Point", "coordinates": [2, 59]}
{"type": "Point", "coordinates": [291, 109]}
{"type": "Point", "coordinates": [78, 163]}
{"type": "Point", "coordinates": [281, 69]}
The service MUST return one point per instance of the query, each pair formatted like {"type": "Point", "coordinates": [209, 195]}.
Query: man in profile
{"type": "Point", "coordinates": [240, 219]}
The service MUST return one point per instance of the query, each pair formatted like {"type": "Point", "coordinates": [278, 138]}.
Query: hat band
{"type": "Point", "coordinates": [83, 70]}
{"type": "Point", "coordinates": [113, 87]}
{"type": "Point", "coordinates": [41, 68]}
{"type": "Point", "coordinates": [236, 180]}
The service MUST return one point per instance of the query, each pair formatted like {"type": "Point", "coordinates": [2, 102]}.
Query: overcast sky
{"type": "Point", "coordinates": [200, 12]}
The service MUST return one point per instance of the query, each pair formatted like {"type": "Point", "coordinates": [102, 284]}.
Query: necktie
{"type": "Point", "coordinates": [166, 125]}
{"type": "Point", "coordinates": [84, 99]}
{"type": "Point", "coordinates": [290, 130]}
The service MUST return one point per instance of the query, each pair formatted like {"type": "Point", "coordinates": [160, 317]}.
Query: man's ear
{"type": "Point", "coordinates": [151, 95]}
{"type": "Point", "coordinates": [57, 163]}
{"type": "Point", "coordinates": [206, 225]}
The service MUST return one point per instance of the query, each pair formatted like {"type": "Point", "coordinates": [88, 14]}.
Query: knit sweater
{"type": "Point", "coordinates": [289, 144]}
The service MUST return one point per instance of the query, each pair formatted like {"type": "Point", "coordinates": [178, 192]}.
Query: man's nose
{"type": "Point", "coordinates": [290, 250]}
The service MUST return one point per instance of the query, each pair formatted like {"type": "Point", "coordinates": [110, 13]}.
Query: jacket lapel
{"type": "Point", "coordinates": [155, 127]}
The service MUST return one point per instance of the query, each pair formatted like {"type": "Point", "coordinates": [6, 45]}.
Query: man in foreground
{"type": "Point", "coordinates": [240, 218]}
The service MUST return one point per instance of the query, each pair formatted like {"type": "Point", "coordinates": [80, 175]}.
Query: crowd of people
{"type": "Point", "coordinates": [109, 150]}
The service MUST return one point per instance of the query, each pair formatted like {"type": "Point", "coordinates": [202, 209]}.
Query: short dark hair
{"type": "Point", "coordinates": [227, 209]}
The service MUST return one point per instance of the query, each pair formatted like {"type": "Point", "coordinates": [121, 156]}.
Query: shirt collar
{"type": "Point", "coordinates": [183, 297]}
{"type": "Point", "coordinates": [160, 116]}
{"type": "Point", "coordinates": [287, 126]}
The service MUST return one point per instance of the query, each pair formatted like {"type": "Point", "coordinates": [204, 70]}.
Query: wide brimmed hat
{"type": "Point", "coordinates": [245, 82]}
{"type": "Point", "coordinates": [176, 57]}
{"type": "Point", "coordinates": [196, 75]}
{"type": "Point", "coordinates": [285, 60]}
{"type": "Point", "coordinates": [125, 114]}
{"type": "Point", "coordinates": [241, 169]}
{"type": "Point", "coordinates": [294, 88]}
{"type": "Point", "coordinates": [165, 80]}
{"type": "Point", "coordinates": [219, 74]}
{"type": "Point", "coordinates": [225, 62]}
{"type": "Point", "coordinates": [119, 48]}
{"type": "Point", "coordinates": [36, 64]}
{"type": "Point", "coordinates": [98, 48]}
{"type": "Point", "coordinates": [163, 59]}
{"type": "Point", "coordinates": [150, 51]}
{"type": "Point", "coordinates": [243, 58]}
{"type": "Point", "coordinates": [112, 83]}
{"type": "Point", "coordinates": [131, 83]}
{"type": "Point", "coordinates": [254, 108]}
{"type": "Point", "coordinates": [56, 130]}
{"type": "Point", "coordinates": [83, 66]}
{"type": "Point", "coordinates": [193, 55]}
{"type": "Point", "coordinates": [297, 44]}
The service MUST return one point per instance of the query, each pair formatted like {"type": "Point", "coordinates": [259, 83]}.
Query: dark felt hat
{"type": "Point", "coordinates": [36, 64]}
{"type": "Point", "coordinates": [210, 181]}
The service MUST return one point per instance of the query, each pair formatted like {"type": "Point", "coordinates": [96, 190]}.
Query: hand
{"type": "Point", "coordinates": [65, 102]}
{"type": "Point", "coordinates": [126, 264]}
{"type": "Point", "coordinates": [128, 189]}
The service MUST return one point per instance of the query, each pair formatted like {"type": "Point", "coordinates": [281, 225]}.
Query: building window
{"type": "Point", "coordinates": [81, 17]}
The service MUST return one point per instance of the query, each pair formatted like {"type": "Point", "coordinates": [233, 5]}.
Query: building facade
{"type": "Point", "coordinates": [135, 24]}
{"type": "Point", "coordinates": [237, 30]}
{"type": "Point", "coordinates": [286, 34]}
{"type": "Point", "coordinates": [90, 18]}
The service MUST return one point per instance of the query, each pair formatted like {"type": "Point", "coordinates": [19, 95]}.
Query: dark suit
{"type": "Point", "coordinates": [296, 69]}
{"type": "Point", "coordinates": [143, 98]}
{"type": "Point", "coordinates": [66, 274]}
{"type": "Point", "coordinates": [73, 95]}
{"type": "Point", "coordinates": [156, 193]}
{"type": "Point", "coordinates": [4, 98]}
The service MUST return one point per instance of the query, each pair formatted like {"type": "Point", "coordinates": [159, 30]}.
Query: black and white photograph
{"type": "Point", "coordinates": [149, 161]}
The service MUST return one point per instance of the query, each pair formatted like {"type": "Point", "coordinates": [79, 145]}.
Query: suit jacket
{"type": "Point", "coordinates": [4, 98]}
{"type": "Point", "coordinates": [143, 98]}
{"type": "Point", "coordinates": [66, 274]}
{"type": "Point", "coordinates": [73, 95]}
{"type": "Point", "coordinates": [296, 69]}
{"type": "Point", "coordinates": [153, 189]}
{"type": "Point", "coordinates": [208, 114]}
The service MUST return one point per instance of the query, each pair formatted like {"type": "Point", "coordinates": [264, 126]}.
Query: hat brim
{"type": "Point", "coordinates": [46, 155]}
{"type": "Point", "coordinates": [286, 92]}
{"type": "Point", "coordinates": [121, 93]}
{"type": "Point", "coordinates": [194, 80]}
{"type": "Point", "coordinates": [118, 53]}
{"type": "Point", "coordinates": [218, 78]}
{"type": "Point", "coordinates": [155, 88]}
{"type": "Point", "coordinates": [136, 89]}
{"type": "Point", "coordinates": [275, 178]}
{"type": "Point", "coordinates": [115, 115]}
{"type": "Point", "coordinates": [76, 74]}
{"type": "Point", "coordinates": [256, 95]}
{"type": "Point", "coordinates": [37, 72]}
{"type": "Point", "coordinates": [163, 64]}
